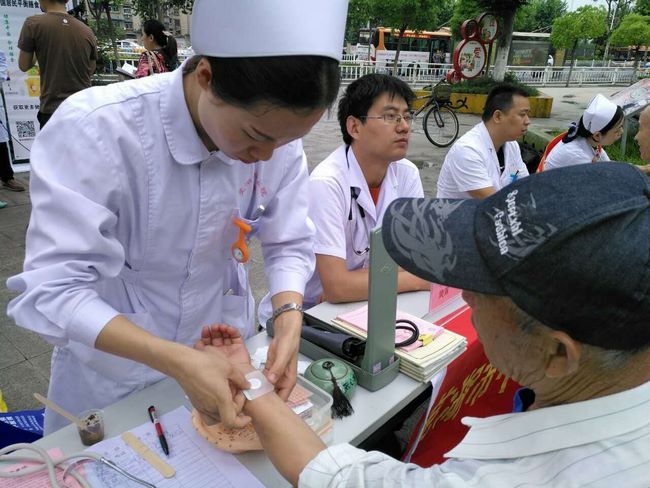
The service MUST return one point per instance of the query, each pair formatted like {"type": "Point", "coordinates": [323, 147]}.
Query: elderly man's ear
{"type": "Point", "coordinates": [564, 355]}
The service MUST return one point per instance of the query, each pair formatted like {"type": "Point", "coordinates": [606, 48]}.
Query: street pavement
{"type": "Point", "coordinates": [25, 357]}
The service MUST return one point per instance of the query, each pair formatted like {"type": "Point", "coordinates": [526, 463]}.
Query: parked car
{"type": "Point", "coordinates": [129, 46]}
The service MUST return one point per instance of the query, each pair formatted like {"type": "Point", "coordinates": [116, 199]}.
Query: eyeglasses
{"type": "Point", "coordinates": [392, 119]}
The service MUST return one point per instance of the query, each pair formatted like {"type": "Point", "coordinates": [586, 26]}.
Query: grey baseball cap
{"type": "Point", "coordinates": [570, 246]}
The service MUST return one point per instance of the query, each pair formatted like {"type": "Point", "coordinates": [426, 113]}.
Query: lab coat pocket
{"type": "Point", "coordinates": [232, 230]}
{"type": "Point", "coordinates": [234, 313]}
{"type": "Point", "coordinates": [120, 370]}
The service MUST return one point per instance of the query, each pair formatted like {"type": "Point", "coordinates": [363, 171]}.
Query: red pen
{"type": "Point", "coordinates": [159, 430]}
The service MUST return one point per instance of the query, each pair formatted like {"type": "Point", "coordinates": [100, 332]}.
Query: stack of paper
{"type": "Point", "coordinates": [418, 361]}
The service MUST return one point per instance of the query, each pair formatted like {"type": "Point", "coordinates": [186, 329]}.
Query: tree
{"type": "Point", "coordinates": [634, 30]}
{"type": "Point", "coordinates": [359, 15]}
{"type": "Point", "coordinates": [616, 10]}
{"type": "Point", "coordinates": [586, 23]}
{"type": "Point", "coordinates": [464, 10]}
{"type": "Point", "coordinates": [404, 14]}
{"type": "Point", "coordinates": [642, 7]}
{"type": "Point", "coordinates": [155, 9]}
{"type": "Point", "coordinates": [506, 11]}
{"type": "Point", "coordinates": [538, 15]}
{"type": "Point", "coordinates": [106, 28]}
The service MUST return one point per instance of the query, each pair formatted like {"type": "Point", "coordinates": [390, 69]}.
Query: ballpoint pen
{"type": "Point", "coordinates": [159, 430]}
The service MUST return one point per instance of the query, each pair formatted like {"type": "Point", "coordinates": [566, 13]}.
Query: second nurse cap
{"type": "Point", "coordinates": [262, 28]}
{"type": "Point", "coordinates": [598, 113]}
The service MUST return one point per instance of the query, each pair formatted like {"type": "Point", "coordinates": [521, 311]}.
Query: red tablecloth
{"type": "Point", "coordinates": [472, 387]}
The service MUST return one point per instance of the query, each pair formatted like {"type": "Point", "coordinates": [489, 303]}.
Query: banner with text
{"type": "Point", "coordinates": [22, 90]}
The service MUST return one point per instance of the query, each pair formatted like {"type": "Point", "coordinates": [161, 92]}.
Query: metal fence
{"type": "Point", "coordinates": [549, 76]}
{"type": "Point", "coordinates": [421, 74]}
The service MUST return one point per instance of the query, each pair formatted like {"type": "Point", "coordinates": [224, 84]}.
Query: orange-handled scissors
{"type": "Point", "coordinates": [239, 249]}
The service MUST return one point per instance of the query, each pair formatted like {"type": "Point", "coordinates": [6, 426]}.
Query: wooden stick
{"type": "Point", "coordinates": [60, 411]}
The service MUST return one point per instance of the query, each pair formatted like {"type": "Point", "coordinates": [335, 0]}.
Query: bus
{"type": "Point", "coordinates": [379, 45]}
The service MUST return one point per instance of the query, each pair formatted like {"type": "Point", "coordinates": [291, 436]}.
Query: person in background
{"type": "Point", "coordinates": [488, 157]}
{"type": "Point", "coordinates": [600, 125]}
{"type": "Point", "coordinates": [576, 335]}
{"type": "Point", "coordinates": [66, 51]}
{"type": "Point", "coordinates": [6, 171]}
{"type": "Point", "coordinates": [137, 236]}
{"type": "Point", "coordinates": [643, 139]}
{"type": "Point", "coordinates": [350, 190]}
{"type": "Point", "coordinates": [161, 53]}
{"type": "Point", "coordinates": [550, 61]}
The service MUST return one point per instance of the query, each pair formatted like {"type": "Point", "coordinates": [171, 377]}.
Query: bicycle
{"type": "Point", "coordinates": [440, 123]}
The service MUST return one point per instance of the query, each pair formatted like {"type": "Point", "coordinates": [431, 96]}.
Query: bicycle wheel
{"type": "Point", "coordinates": [440, 126]}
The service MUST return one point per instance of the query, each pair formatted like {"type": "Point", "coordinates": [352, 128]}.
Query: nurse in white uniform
{"type": "Point", "coordinates": [600, 125]}
{"type": "Point", "coordinates": [145, 192]}
{"type": "Point", "coordinates": [350, 190]}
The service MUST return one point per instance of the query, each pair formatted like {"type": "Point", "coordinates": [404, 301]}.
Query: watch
{"type": "Point", "coordinates": [285, 308]}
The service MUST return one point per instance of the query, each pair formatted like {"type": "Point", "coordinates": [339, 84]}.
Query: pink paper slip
{"type": "Point", "coordinates": [359, 319]}
{"type": "Point", "coordinates": [37, 480]}
{"type": "Point", "coordinates": [441, 294]}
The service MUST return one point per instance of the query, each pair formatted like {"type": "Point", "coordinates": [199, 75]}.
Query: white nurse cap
{"type": "Point", "coordinates": [260, 28]}
{"type": "Point", "coordinates": [599, 113]}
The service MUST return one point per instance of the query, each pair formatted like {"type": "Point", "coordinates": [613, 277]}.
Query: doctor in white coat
{"type": "Point", "coordinates": [144, 193]}
{"type": "Point", "coordinates": [488, 157]}
{"type": "Point", "coordinates": [350, 190]}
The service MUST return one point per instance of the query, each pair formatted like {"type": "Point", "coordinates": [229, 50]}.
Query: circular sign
{"type": "Point", "coordinates": [488, 27]}
{"type": "Point", "coordinates": [469, 58]}
{"type": "Point", "coordinates": [469, 29]}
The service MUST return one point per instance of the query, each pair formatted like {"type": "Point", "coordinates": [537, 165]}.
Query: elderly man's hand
{"type": "Point", "coordinates": [223, 341]}
{"type": "Point", "coordinates": [645, 169]}
{"type": "Point", "coordinates": [229, 342]}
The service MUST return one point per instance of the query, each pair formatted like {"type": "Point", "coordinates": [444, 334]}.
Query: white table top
{"type": "Point", "coordinates": [372, 409]}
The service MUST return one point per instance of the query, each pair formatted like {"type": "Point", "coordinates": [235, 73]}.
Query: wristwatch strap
{"type": "Point", "coordinates": [285, 308]}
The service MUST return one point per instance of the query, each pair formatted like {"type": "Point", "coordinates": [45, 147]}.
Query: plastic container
{"type": "Point", "coordinates": [319, 416]}
{"type": "Point", "coordinates": [93, 430]}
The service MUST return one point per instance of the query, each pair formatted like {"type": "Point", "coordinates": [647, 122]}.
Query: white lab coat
{"type": "Point", "coordinates": [330, 204]}
{"type": "Point", "coordinates": [578, 151]}
{"type": "Point", "coordinates": [472, 164]}
{"type": "Point", "coordinates": [132, 215]}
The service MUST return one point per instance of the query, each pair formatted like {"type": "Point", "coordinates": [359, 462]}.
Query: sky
{"type": "Point", "coordinates": [574, 4]}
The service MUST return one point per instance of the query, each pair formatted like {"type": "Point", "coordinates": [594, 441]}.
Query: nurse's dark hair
{"type": "Point", "coordinates": [363, 92]}
{"type": "Point", "coordinates": [501, 97]}
{"type": "Point", "coordinates": [294, 82]}
{"type": "Point", "coordinates": [580, 130]}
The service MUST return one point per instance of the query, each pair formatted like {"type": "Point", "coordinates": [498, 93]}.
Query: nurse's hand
{"type": "Point", "coordinates": [213, 385]}
{"type": "Point", "coordinates": [281, 367]}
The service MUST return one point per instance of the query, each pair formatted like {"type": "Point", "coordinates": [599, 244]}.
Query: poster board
{"type": "Point", "coordinates": [22, 90]}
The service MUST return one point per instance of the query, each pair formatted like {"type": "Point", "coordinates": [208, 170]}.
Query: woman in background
{"type": "Point", "coordinates": [161, 50]}
{"type": "Point", "coordinates": [600, 125]}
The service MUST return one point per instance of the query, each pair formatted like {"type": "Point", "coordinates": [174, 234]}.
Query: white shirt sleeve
{"type": "Point", "coordinates": [327, 209]}
{"type": "Point", "coordinates": [286, 233]}
{"type": "Point", "coordinates": [469, 169]}
{"type": "Point", "coordinates": [76, 190]}
{"type": "Point", "coordinates": [344, 466]}
{"type": "Point", "coordinates": [412, 184]}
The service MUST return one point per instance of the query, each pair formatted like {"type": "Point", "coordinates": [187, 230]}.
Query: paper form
{"type": "Point", "coordinates": [197, 462]}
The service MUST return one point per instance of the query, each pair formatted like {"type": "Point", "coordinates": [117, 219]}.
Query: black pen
{"type": "Point", "coordinates": [159, 430]}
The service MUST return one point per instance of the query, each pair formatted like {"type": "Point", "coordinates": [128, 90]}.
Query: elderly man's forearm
{"type": "Point", "coordinates": [275, 423]}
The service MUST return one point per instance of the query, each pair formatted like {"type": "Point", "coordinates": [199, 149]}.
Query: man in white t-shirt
{"type": "Point", "coordinates": [488, 157]}
{"type": "Point", "coordinates": [350, 190]}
